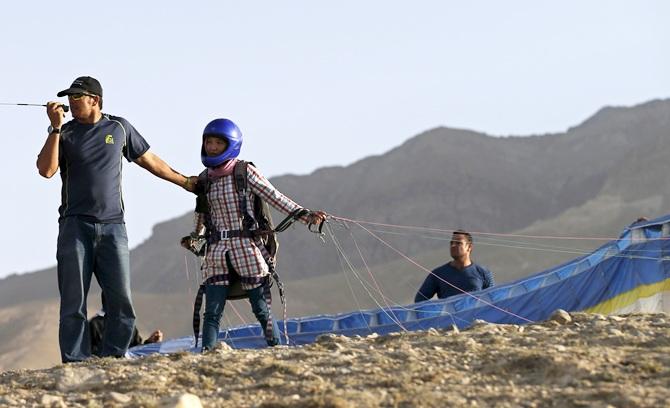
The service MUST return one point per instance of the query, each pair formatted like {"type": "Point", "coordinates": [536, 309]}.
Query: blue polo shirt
{"type": "Point", "coordinates": [90, 160]}
{"type": "Point", "coordinates": [470, 279]}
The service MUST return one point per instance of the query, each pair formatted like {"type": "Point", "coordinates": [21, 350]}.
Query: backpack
{"type": "Point", "coordinates": [262, 219]}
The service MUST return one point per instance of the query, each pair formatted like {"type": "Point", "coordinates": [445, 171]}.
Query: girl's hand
{"type": "Point", "coordinates": [317, 217]}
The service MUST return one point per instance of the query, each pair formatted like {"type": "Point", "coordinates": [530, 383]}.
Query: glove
{"type": "Point", "coordinates": [195, 244]}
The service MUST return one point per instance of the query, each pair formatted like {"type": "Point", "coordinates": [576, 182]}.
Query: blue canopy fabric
{"type": "Point", "coordinates": [631, 274]}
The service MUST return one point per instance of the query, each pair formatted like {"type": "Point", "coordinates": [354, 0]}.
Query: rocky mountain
{"type": "Point", "coordinates": [592, 180]}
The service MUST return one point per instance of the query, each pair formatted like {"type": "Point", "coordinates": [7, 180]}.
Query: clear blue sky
{"type": "Point", "coordinates": [310, 83]}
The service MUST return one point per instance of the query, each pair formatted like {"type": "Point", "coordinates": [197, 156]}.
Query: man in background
{"type": "Point", "coordinates": [457, 276]}
{"type": "Point", "coordinates": [97, 328]}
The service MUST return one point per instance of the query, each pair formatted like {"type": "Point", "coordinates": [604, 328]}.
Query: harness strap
{"type": "Point", "coordinates": [267, 294]}
{"type": "Point", "coordinates": [282, 297]}
{"type": "Point", "coordinates": [290, 219]}
{"type": "Point", "coordinates": [240, 173]}
{"type": "Point", "coordinates": [216, 236]}
{"type": "Point", "coordinates": [293, 217]}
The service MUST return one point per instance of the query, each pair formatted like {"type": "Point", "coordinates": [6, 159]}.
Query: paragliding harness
{"type": "Point", "coordinates": [256, 225]}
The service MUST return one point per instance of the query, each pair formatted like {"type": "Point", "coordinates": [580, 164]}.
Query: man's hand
{"type": "Point", "coordinates": [191, 183]}
{"type": "Point", "coordinates": [56, 114]}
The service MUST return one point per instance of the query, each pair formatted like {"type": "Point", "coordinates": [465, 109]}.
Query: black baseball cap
{"type": "Point", "coordinates": [83, 84]}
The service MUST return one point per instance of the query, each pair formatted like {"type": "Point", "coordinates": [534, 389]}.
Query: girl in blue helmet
{"type": "Point", "coordinates": [235, 250]}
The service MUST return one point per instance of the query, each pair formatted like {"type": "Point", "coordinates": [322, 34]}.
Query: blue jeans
{"type": "Point", "coordinates": [215, 301]}
{"type": "Point", "coordinates": [86, 249]}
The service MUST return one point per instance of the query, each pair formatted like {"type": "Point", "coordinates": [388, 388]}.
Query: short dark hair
{"type": "Point", "coordinates": [466, 234]}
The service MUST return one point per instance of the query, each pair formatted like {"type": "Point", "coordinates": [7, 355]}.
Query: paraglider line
{"type": "Point", "coordinates": [339, 248]}
{"type": "Point", "coordinates": [379, 289]}
{"type": "Point", "coordinates": [534, 247]}
{"type": "Point", "coordinates": [450, 231]}
{"type": "Point", "coordinates": [448, 283]}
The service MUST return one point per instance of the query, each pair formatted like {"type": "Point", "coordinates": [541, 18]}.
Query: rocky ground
{"type": "Point", "coordinates": [577, 360]}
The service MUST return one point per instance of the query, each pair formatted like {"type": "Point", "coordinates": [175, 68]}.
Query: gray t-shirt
{"type": "Point", "coordinates": [90, 167]}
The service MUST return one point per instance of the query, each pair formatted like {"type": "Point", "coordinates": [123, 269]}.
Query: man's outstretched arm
{"type": "Point", "coordinates": [156, 166]}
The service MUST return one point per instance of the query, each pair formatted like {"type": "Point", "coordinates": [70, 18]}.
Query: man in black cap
{"type": "Point", "coordinates": [92, 235]}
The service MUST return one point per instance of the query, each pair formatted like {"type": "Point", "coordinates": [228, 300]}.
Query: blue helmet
{"type": "Point", "coordinates": [227, 130]}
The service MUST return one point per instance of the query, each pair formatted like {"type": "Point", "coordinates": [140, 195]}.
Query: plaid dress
{"type": "Point", "coordinates": [247, 255]}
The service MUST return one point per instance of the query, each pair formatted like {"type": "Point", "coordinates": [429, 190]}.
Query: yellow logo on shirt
{"type": "Point", "coordinates": [109, 139]}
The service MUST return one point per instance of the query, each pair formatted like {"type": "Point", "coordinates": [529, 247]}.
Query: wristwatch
{"type": "Point", "coordinates": [52, 129]}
